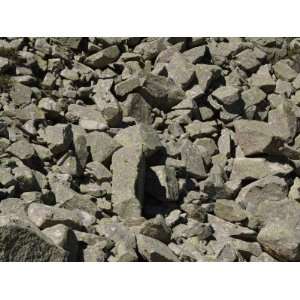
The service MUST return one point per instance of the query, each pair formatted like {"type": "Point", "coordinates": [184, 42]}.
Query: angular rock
{"type": "Point", "coordinates": [29, 244]}
{"type": "Point", "coordinates": [227, 95]}
{"type": "Point", "coordinates": [229, 210]}
{"type": "Point", "coordinates": [103, 58]}
{"type": "Point", "coordinates": [153, 250]}
{"type": "Point", "coordinates": [128, 181]}
{"type": "Point", "coordinates": [140, 135]}
{"type": "Point", "coordinates": [255, 137]}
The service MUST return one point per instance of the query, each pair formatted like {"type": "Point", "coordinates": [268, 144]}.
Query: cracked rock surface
{"type": "Point", "coordinates": [149, 149]}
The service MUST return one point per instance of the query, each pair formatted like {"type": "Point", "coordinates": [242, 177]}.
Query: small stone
{"type": "Point", "coordinates": [59, 137]}
{"type": "Point", "coordinates": [180, 70]}
{"type": "Point", "coordinates": [253, 96]}
{"type": "Point", "coordinates": [103, 58]}
{"type": "Point", "coordinates": [156, 228]}
{"type": "Point", "coordinates": [161, 92]}
{"type": "Point", "coordinates": [153, 250]}
{"type": "Point", "coordinates": [102, 146]}
{"type": "Point", "coordinates": [227, 95]}
{"type": "Point", "coordinates": [141, 135]}
{"type": "Point", "coordinates": [283, 71]}
{"type": "Point", "coordinates": [21, 94]}
{"type": "Point", "coordinates": [263, 79]}
{"type": "Point", "coordinates": [294, 192]}
{"type": "Point", "coordinates": [22, 149]}
{"type": "Point", "coordinates": [281, 241]}
{"type": "Point", "coordinates": [255, 137]}
{"type": "Point", "coordinates": [63, 237]}
{"type": "Point", "coordinates": [229, 210]}
{"type": "Point", "coordinates": [136, 107]}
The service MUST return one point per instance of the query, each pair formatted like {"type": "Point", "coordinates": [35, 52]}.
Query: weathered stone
{"type": "Point", "coordinates": [227, 95]}
{"type": "Point", "coordinates": [180, 70]}
{"type": "Point", "coordinates": [256, 168]}
{"type": "Point", "coordinates": [294, 192]}
{"type": "Point", "coordinates": [136, 107]}
{"type": "Point", "coordinates": [263, 79]}
{"type": "Point", "coordinates": [161, 183]}
{"type": "Point", "coordinates": [63, 237]}
{"type": "Point", "coordinates": [229, 210]}
{"type": "Point", "coordinates": [141, 135]}
{"type": "Point", "coordinates": [59, 137]}
{"type": "Point", "coordinates": [21, 149]}
{"type": "Point", "coordinates": [156, 228]}
{"type": "Point", "coordinates": [103, 58]}
{"type": "Point", "coordinates": [102, 146]}
{"type": "Point", "coordinates": [271, 188]}
{"type": "Point", "coordinates": [44, 216]}
{"type": "Point", "coordinates": [253, 96]}
{"type": "Point", "coordinates": [283, 71]}
{"type": "Point", "coordinates": [161, 92]}
{"type": "Point", "coordinates": [193, 159]}
{"type": "Point", "coordinates": [283, 121]}
{"type": "Point", "coordinates": [128, 181]}
{"type": "Point", "coordinates": [21, 94]}
{"type": "Point", "coordinates": [29, 244]}
{"type": "Point", "coordinates": [153, 250]}
{"type": "Point", "coordinates": [255, 137]}
{"type": "Point", "coordinates": [281, 241]}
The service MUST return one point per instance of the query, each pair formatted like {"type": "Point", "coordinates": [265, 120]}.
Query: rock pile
{"type": "Point", "coordinates": [150, 149]}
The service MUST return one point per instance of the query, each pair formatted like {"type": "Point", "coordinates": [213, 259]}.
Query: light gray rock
{"type": "Point", "coordinates": [153, 250]}
{"type": "Point", "coordinates": [128, 168]}
{"type": "Point", "coordinates": [229, 210]}
{"type": "Point", "coordinates": [255, 137]}
{"type": "Point", "coordinates": [102, 146]}
{"type": "Point", "coordinates": [227, 95]}
{"type": "Point", "coordinates": [103, 58]}
{"type": "Point", "coordinates": [140, 135]}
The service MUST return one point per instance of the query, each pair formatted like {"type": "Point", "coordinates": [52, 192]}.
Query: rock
{"type": "Point", "coordinates": [263, 80]}
{"type": "Point", "coordinates": [102, 146]}
{"type": "Point", "coordinates": [283, 71]}
{"type": "Point", "coordinates": [283, 120]}
{"type": "Point", "coordinates": [6, 178]}
{"type": "Point", "coordinates": [22, 149]}
{"type": "Point", "coordinates": [193, 159]}
{"type": "Point", "coordinates": [140, 135]}
{"type": "Point", "coordinates": [199, 129]}
{"type": "Point", "coordinates": [195, 55]}
{"type": "Point", "coordinates": [264, 257]}
{"type": "Point", "coordinates": [129, 85]}
{"type": "Point", "coordinates": [180, 70]}
{"type": "Point", "coordinates": [117, 232]}
{"type": "Point", "coordinates": [256, 137]}
{"type": "Point", "coordinates": [103, 58]}
{"type": "Point", "coordinates": [271, 188]}
{"type": "Point", "coordinates": [281, 241]}
{"type": "Point", "coordinates": [156, 228]}
{"type": "Point", "coordinates": [21, 94]}
{"type": "Point", "coordinates": [136, 107]}
{"type": "Point", "coordinates": [63, 237]}
{"type": "Point", "coordinates": [98, 171]}
{"type": "Point", "coordinates": [229, 210]}
{"type": "Point", "coordinates": [223, 229]}
{"type": "Point", "coordinates": [44, 216]}
{"type": "Point", "coordinates": [128, 181]}
{"type": "Point", "coordinates": [161, 92]}
{"type": "Point", "coordinates": [227, 95]}
{"type": "Point", "coordinates": [58, 137]}
{"type": "Point", "coordinates": [161, 183]}
{"type": "Point", "coordinates": [153, 250]}
{"type": "Point", "coordinates": [257, 168]}
{"type": "Point", "coordinates": [95, 253]}
{"type": "Point", "coordinates": [30, 245]}
{"type": "Point", "coordinates": [253, 96]}
{"type": "Point", "coordinates": [294, 192]}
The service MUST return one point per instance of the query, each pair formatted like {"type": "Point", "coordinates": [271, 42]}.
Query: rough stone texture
{"type": "Point", "coordinates": [150, 149]}
{"type": "Point", "coordinates": [128, 181]}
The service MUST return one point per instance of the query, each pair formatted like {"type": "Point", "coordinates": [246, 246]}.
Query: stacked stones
{"type": "Point", "coordinates": [150, 149]}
